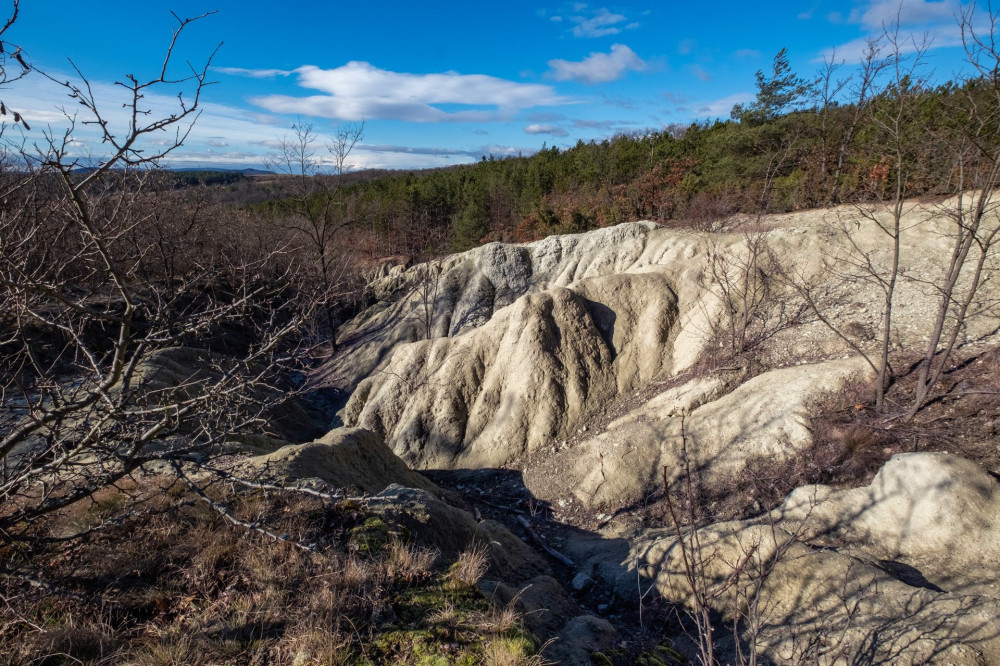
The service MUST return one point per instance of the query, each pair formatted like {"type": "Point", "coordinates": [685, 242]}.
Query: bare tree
{"type": "Point", "coordinates": [743, 274]}
{"type": "Point", "coordinates": [891, 111]}
{"type": "Point", "coordinates": [974, 147]}
{"type": "Point", "coordinates": [427, 290]}
{"type": "Point", "coordinates": [313, 210]}
{"type": "Point", "coordinates": [714, 579]}
{"type": "Point", "coordinates": [9, 55]}
{"type": "Point", "coordinates": [743, 277]}
{"type": "Point", "coordinates": [893, 115]}
{"type": "Point", "coordinates": [98, 377]}
{"type": "Point", "coordinates": [862, 90]}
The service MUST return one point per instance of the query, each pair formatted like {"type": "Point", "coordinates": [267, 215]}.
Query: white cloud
{"type": "Point", "coordinates": [929, 24]}
{"type": "Point", "coordinates": [598, 23]}
{"type": "Point", "coordinates": [940, 36]}
{"type": "Point", "coordinates": [909, 12]}
{"type": "Point", "coordinates": [598, 67]}
{"type": "Point", "coordinates": [253, 73]}
{"type": "Point", "coordinates": [547, 117]}
{"type": "Point", "coordinates": [686, 46]}
{"type": "Point", "coordinates": [359, 90]}
{"type": "Point", "coordinates": [223, 136]}
{"type": "Point", "coordinates": [40, 115]}
{"type": "Point", "coordinates": [552, 130]}
{"type": "Point", "coordinates": [411, 150]}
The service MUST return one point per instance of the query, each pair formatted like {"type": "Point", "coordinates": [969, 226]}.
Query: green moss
{"type": "Point", "coordinates": [417, 637]}
{"type": "Point", "coordinates": [419, 647]}
{"type": "Point", "coordinates": [372, 535]}
{"type": "Point", "coordinates": [416, 604]}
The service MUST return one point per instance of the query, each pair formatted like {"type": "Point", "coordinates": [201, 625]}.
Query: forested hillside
{"type": "Point", "coordinates": [841, 137]}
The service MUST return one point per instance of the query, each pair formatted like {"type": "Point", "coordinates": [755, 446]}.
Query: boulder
{"type": "Point", "coordinates": [766, 416]}
{"type": "Point", "coordinates": [814, 579]}
{"type": "Point", "coordinates": [936, 514]}
{"type": "Point", "coordinates": [579, 638]}
{"type": "Point", "coordinates": [350, 458]}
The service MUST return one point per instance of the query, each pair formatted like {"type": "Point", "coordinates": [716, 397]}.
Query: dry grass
{"type": "Point", "coordinates": [408, 562]}
{"type": "Point", "coordinates": [499, 619]}
{"type": "Point", "coordinates": [185, 587]}
{"type": "Point", "coordinates": [471, 565]}
{"type": "Point", "coordinates": [510, 652]}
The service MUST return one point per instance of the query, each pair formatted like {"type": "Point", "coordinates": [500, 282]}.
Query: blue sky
{"type": "Point", "coordinates": [440, 83]}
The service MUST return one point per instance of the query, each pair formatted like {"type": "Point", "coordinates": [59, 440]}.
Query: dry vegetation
{"type": "Point", "coordinates": [180, 585]}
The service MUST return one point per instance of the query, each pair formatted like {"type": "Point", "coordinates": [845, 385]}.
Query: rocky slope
{"type": "Point", "coordinates": [592, 368]}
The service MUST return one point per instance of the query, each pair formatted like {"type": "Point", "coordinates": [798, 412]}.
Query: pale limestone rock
{"type": "Point", "coordinates": [766, 416]}
{"type": "Point", "coordinates": [821, 606]}
{"type": "Point", "coordinates": [528, 376]}
{"type": "Point", "coordinates": [934, 512]}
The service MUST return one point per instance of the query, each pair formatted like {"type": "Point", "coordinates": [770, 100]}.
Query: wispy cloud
{"type": "Point", "coordinates": [699, 72]}
{"type": "Point", "coordinates": [253, 73]}
{"type": "Point", "coordinates": [589, 22]}
{"type": "Point", "coordinates": [686, 46]}
{"type": "Point", "coordinates": [218, 127]}
{"type": "Point", "coordinates": [908, 12]}
{"type": "Point", "coordinates": [543, 117]}
{"type": "Point", "coordinates": [359, 90]}
{"type": "Point", "coordinates": [607, 126]}
{"type": "Point", "coordinates": [598, 67]}
{"type": "Point", "coordinates": [747, 53]}
{"type": "Point", "coordinates": [552, 130]}
{"type": "Point", "coordinates": [594, 124]}
{"type": "Point", "coordinates": [916, 20]}
{"type": "Point", "coordinates": [416, 150]}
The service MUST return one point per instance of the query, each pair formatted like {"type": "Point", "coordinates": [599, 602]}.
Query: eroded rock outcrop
{"type": "Point", "coordinates": [527, 376]}
{"type": "Point", "coordinates": [936, 514]}
{"type": "Point", "coordinates": [484, 358]}
{"type": "Point", "coordinates": [720, 432]}
{"type": "Point", "coordinates": [462, 292]}
{"type": "Point", "coordinates": [833, 577]}
{"type": "Point", "coordinates": [512, 355]}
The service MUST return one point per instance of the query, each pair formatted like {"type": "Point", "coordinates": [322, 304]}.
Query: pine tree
{"type": "Point", "coordinates": [776, 95]}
